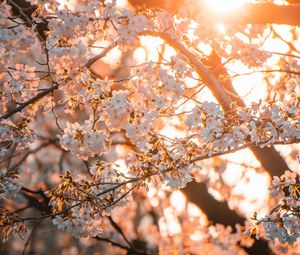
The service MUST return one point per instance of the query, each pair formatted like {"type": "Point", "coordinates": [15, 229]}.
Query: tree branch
{"type": "Point", "coordinates": [25, 10]}
{"type": "Point", "coordinates": [30, 101]}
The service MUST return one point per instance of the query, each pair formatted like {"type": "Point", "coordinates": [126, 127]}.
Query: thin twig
{"type": "Point", "coordinates": [113, 243]}
{"type": "Point", "coordinates": [31, 236]}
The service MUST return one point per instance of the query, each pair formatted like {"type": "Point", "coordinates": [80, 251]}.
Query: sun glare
{"type": "Point", "coordinates": [223, 6]}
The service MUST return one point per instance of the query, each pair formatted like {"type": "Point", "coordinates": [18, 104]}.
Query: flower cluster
{"type": "Point", "coordinates": [14, 133]}
{"type": "Point", "coordinates": [79, 205]}
{"type": "Point", "coordinates": [116, 110]}
{"type": "Point", "coordinates": [8, 186]}
{"type": "Point", "coordinates": [172, 171]}
{"type": "Point", "coordinates": [84, 141]}
{"type": "Point", "coordinates": [263, 124]}
{"type": "Point", "coordinates": [283, 222]}
{"type": "Point", "coordinates": [80, 223]}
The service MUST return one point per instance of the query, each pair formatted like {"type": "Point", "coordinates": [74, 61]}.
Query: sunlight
{"type": "Point", "coordinates": [169, 224]}
{"type": "Point", "coordinates": [140, 55]}
{"type": "Point", "coordinates": [121, 166]}
{"type": "Point", "coordinates": [251, 88]}
{"type": "Point", "coordinates": [223, 6]}
{"type": "Point", "coordinates": [255, 181]}
{"type": "Point", "coordinates": [121, 3]}
{"type": "Point", "coordinates": [178, 201]}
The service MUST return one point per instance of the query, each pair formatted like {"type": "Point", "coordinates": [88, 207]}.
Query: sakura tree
{"type": "Point", "coordinates": [149, 127]}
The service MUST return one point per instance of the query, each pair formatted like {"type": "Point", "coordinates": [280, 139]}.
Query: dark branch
{"type": "Point", "coordinates": [30, 101]}
{"type": "Point", "coordinates": [25, 10]}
